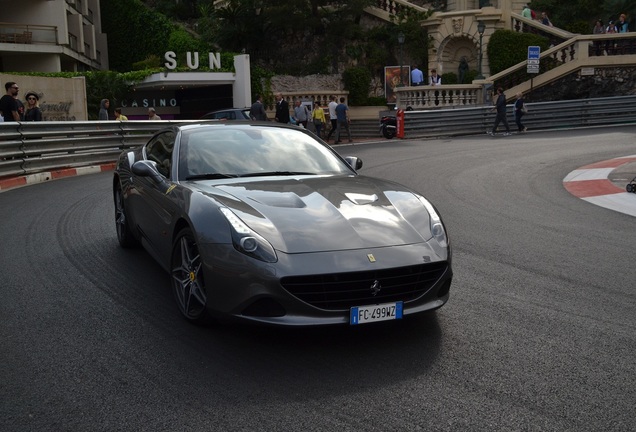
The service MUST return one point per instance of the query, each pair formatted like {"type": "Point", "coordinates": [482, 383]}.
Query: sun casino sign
{"type": "Point", "coordinates": [166, 98]}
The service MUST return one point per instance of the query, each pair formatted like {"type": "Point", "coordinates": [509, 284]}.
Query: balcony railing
{"type": "Point", "coordinates": [12, 33]}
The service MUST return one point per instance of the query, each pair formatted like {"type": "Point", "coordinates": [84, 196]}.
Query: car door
{"type": "Point", "coordinates": [156, 208]}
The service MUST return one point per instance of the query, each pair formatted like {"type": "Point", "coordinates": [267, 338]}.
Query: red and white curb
{"type": "Point", "coordinates": [591, 184]}
{"type": "Point", "coordinates": [13, 182]}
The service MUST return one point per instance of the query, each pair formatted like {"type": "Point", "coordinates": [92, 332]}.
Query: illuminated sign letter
{"type": "Point", "coordinates": [171, 60]}
{"type": "Point", "coordinates": [215, 61]}
{"type": "Point", "coordinates": [189, 60]}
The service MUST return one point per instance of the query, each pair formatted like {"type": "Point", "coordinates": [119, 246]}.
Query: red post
{"type": "Point", "coordinates": [399, 116]}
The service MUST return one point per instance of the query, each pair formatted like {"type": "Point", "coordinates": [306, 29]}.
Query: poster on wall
{"type": "Point", "coordinates": [392, 80]}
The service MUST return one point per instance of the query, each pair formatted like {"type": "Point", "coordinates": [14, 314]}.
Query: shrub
{"type": "Point", "coordinates": [507, 48]}
{"type": "Point", "coordinates": [358, 81]}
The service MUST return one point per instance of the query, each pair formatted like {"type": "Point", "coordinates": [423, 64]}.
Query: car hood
{"type": "Point", "coordinates": [314, 214]}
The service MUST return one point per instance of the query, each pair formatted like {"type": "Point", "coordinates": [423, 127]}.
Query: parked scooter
{"type": "Point", "coordinates": [388, 126]}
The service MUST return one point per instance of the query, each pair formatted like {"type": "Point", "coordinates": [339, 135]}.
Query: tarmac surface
{"type": "Point", "coordinates": [602, 183]}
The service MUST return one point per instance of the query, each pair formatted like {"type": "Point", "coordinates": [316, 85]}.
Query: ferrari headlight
{"type": "Point", "coordinates": [247, 241]}
{"type": "Point", "coordinates": [437, 228]}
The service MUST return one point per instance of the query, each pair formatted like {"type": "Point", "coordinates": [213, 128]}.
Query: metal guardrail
{"type": "Point", "coordinates": [541, 116]}
{"type": "Point", "coordinates": [33, 147]}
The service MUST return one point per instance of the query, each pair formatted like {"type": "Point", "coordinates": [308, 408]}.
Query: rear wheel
{"type": "Point", "coordinates": [388, 133]}
{"type": "Point", "coordinates": [188, 285]}
{"type": "Point", "coordinates": [124, 233]}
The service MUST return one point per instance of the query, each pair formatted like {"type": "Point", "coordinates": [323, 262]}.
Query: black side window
{"type": "Point", "coordinates": [159, 150]}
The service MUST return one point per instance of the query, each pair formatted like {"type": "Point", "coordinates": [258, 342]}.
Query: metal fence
{"type": "Point", "coordinates": [29, 148]}
{"type": "Point", "coordinates": [32, 147]}
{"type": "Point", "coordinates": [540, 116]}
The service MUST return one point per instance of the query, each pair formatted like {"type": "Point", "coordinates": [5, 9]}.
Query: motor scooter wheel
{"type": "Point", "coordinates": [388, 133]}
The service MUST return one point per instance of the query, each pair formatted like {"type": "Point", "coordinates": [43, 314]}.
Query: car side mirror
{"type": "Point", "coordinates": [145, 168]}
{"type": "Point", "coordinates": [355, 162]}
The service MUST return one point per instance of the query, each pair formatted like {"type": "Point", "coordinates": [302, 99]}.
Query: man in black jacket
{"type": "Point", "coordinates": [8, 104]}
{"type": "Point", "coordinates": [282, 109]}
{"type": "Point", "coordinates": [257, 111]}
{"type": "Point", "coordinates": [500, 106]}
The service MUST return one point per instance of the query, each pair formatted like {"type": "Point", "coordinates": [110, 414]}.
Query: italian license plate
{"type": "Point", "coordinates": [382, 312]}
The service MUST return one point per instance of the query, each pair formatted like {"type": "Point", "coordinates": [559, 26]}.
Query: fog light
{"type": "Point", "coordinates": [249, 244]}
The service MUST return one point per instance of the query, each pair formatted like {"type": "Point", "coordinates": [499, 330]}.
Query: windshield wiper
{"type": "Point", "coordinates": [210, 176]}
{"type": "Point", "coordinates": [275, 173]}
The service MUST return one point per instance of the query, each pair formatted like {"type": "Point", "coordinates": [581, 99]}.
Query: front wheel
{"type": "Point", "coordinates": [188, 285]}
{"type": "Point", "coordinates": [388, 133]}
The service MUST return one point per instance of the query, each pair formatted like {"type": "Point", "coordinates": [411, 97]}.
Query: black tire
{"type": "Point", "coordinates": [629, 188]}
{"type": "Point", "coordinates": [388, 133]}
{"type": "Point", "coordinates": [124, 233]}
{"type": "Point", "coordinates": [188, 285]}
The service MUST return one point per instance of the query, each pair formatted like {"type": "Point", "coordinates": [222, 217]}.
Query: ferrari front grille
{"type": "Point", "coordinates": [341, 291]}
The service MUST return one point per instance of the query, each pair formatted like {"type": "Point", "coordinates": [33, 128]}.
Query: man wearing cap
{"type": "Point", "coordinates": [8, 104]}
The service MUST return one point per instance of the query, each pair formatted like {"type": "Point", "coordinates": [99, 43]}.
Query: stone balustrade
{"type": "Point", "coordinates": [443, 96]}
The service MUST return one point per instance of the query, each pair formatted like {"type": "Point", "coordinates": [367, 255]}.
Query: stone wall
{"type": "Point", "coordinates": [310, 83]}
{"type": "Point", "coordinates": [61, 99]}
{"type": "Point", "coordinates": [606, 82]}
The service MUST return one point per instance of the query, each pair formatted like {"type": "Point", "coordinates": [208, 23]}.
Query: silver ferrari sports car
{"type": "Point", "coordinates": [266, 223]}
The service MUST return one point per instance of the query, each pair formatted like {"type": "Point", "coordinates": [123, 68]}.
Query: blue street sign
{"type": "Point", "coordinates": [534, 52]}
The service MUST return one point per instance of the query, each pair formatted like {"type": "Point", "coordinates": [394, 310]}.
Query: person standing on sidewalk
{"type": "Point", "coordinates": [500, 106]}
{"type": "Point", "coordinates": [332, 116]}
{"type": "Point", "coordinates": [257, 110]}
{"type": "Point", "coordinates": [342, 114]}
{"type": "Point", "coordinates": [103, 109]}
{"type": "Point", "coordinates": [282, 109]}
{"type": "Point", "coordinates": [8, 104]}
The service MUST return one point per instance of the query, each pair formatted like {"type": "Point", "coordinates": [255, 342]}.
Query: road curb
{"type": "Point", "coordinates": [19, 181]}
{"type": "Point", "coordinates": [591, 183]}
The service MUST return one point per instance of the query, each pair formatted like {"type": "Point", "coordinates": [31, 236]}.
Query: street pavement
{"type": "Point", "coordinates": [602, 183]}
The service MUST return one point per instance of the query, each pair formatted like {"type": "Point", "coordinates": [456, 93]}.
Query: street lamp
{"type": "Point", "coordinates": [481, 28]}
{"type": "Point", "coordinates": [401, 42]}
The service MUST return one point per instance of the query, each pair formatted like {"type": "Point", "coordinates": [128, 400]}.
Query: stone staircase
{"type": "Point", "coordinates": [569, 54]}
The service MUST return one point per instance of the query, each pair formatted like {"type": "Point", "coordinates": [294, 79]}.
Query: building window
{"type": "Point", "coordinates": [72, 42]}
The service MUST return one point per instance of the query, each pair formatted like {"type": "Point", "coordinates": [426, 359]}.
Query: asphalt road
{"type": "Point", "coordinates": [539, 333]}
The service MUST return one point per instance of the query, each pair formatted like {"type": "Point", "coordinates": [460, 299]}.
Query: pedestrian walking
{"type": "Point", "coordinates": [332, 116]}
{"type": "Point", "coordinates": [301, 113]}
{"type": "Point", "coordinates": [500, 106]}
{"type": "Point", "coordinates": [119, 116]}
{"type": "Point", "coordinates": [318, 117]}
{"type": "Point", "coordinates": [342, 114]}
{"type": "Point", "coordinates": [520, 110]}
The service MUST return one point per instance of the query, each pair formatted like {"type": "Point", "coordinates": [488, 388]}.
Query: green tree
{"type": "Point", "coordinates": [104, 85]}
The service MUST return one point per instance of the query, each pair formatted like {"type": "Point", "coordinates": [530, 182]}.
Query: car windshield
{"type": "Point", "coordinates": [227, 151]}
